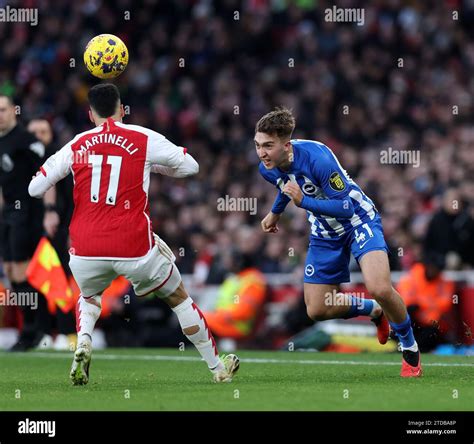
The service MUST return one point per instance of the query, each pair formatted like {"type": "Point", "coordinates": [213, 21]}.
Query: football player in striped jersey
{"type": "Point", "coordinates": [343, 220]}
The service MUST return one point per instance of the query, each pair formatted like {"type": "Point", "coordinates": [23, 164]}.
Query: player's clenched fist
{"type": "Point", "coordinates": [269, 223]}
{"type": "Point", "coordinates": [293, 190]}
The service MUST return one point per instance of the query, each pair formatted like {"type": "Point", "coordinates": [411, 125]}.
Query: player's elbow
{"type": "Point", "coordinates": [34, 191]}
{"type": "Point", "coordinates": [192, 167]}
{"type": "Point", "coordinates": [38, 186]}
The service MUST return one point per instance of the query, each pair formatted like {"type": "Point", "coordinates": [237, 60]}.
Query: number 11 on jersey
{"type": "Point", "coordinates": [116, 163]}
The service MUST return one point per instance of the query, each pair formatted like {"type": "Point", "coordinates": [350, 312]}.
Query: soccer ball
{"type": "Point", "coordinates": [106, 56]}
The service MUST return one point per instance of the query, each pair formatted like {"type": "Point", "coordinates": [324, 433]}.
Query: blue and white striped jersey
{"type": "Point", "coordinates": [320, 176]}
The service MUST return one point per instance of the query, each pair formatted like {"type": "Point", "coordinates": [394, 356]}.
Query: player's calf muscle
{"type": "Point", "coordinates": [394, 307]}
{"type": "Point", "coordinates": [318, 312]}
{"type": "Point", "coordinates": [94, 300]}
{"type": "Point", "coordinates": [322, 312]}
{"type": "Point", "coordinates": [380, 291]}
{"type": "Point", "coordinates": [324, 301]}
{"type": "Point", "coordinates": [191, 330]}
{"type": "Point", "coordinates": [177, 297]}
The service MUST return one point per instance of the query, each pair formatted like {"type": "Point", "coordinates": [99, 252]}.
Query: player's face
{"type": "Point", "coordinates": [42, 130]}
{"type": "Point", "coordinates": [7, 114]}
{"type": "Point", "coordinates": [271, 150]}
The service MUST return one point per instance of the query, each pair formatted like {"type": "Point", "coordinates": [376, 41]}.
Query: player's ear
{"type": "Point", "coordinates": [122, 111]}
{"type": "Point", "coordinates": [91, 116]}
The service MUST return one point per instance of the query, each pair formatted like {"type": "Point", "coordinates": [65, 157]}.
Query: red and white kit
{"type": "Point", "coordinates": [111, 232]}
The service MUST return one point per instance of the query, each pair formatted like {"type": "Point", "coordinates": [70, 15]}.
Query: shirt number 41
{"type": "Point", "coordinates": [361, 237]}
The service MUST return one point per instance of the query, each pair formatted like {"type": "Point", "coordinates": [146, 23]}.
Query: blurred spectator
{"type": "Point", "coordinates": [202, 76]}
{"type": "Point", "coordinates": [21, 216]}
{"type": "Point", "coordinates": [238, 302]}
{"type": "Point", "coordinates": [451, 232]}
{"type": "Point", "coordinates": [59, 206]}
{"type": "Point", "coordinates": [429, 299]}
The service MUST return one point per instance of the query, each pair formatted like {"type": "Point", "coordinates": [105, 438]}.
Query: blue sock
{"type": "Point", "coordinates": [404, 332]}
{"type": "Point", "coordinates": [359, 307]}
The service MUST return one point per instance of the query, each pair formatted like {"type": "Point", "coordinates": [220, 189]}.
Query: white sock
{"type": "Point", "coordinates": [375, 309]}
{"type": "Point", "coordinates": [189, 315]}
{"type": "Point", "coordinates": [413, 348]}
{"type": "Point", "coordinates": [87, 313]}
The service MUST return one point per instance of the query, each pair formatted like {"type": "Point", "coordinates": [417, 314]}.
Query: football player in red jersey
{"type": "Point", "coordinates": [110, 230]}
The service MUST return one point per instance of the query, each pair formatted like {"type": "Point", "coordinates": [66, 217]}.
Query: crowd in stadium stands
{"type": "Point", "coordinates": [203, 72]}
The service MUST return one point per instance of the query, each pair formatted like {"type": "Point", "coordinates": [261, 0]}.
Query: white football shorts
{"type": "Point", "coordinates": [155, 272]}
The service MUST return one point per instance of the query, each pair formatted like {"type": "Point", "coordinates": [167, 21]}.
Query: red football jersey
{"type": "Point", "coordinates": [111, 168]}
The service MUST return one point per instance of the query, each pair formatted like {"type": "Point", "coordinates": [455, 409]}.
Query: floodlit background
{"type": "Point", "coordinates": [390, 92]}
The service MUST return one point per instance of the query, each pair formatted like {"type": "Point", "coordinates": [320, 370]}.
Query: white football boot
{"type": "Point", "coordinates": [80, 365]}
{"type": "Point", "coordinates": [231, 364]}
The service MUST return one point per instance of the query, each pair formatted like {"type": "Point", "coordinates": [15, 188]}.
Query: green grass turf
{"type": "Point", "coordinates": [140, 380]}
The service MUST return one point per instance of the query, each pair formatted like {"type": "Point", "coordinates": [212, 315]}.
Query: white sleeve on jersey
{"type": "Point", "coordinates": [188, 167]}
{"type": "Point", "coordinates": [57, 167]}
{"type": "Point", "coordinates": [163, 152]}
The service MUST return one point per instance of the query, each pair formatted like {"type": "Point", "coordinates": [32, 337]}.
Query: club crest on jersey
{"type": "Point", "coordinates": [336, 182]}
{"type": "Point", "coordinates": [309, 189]}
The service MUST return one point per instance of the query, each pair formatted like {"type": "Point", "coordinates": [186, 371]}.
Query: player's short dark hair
{"type": "Point", "coordinates": [104, 98]}
{"type": "Point", "coordinates": [280, 121]}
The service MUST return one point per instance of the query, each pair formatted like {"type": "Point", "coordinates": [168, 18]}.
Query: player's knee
{"type": "Point", "coordinates": [317, 312]}
{"type": "Point", "coordinates": [188, 331]}
{"type": "Point", "coordinates": [380, 292]}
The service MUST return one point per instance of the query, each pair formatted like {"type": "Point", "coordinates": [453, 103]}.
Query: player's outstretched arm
{"type": "Point", "coordinates": [342, 207]}
{"type": "Point", "coordinates": [169, 159]}
{"type": "Point", "coordinates": [269, 223]}
{"type": "Point", "coordinates": [57, 167]}
{"type": "Point", "coordinates": [188, 167]}
{"type": "Point", "coordinates": [333, 181]}
{"type": "Point", "coordinates": [39, 184]}
{"type": "Point", "coordinates": [331, 207]}
{"type": "Point", "coordinates": [281, 201]}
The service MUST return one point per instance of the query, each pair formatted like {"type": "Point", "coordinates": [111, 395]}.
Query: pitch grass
{"type": "Point", "coordinates": [162, 379]}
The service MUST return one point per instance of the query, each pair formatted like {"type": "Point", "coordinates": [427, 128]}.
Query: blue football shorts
{"type": "Point", "coordinates": [327, 261]}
